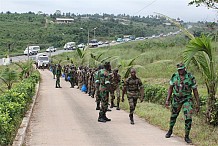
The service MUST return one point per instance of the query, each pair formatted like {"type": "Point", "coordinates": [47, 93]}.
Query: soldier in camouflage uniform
{"type": "Point", "coordinates": [97, 84]}
{"type": "Point", "coordinates": [80, 77]}
{"type": "Point", "coordinates": [72, 77]}
{"type": "Point", "coordinates": [54, 67]}
{"type": "Point", "coordinates": [58, 75]}
{"type": "Point", "coordinates": [66, 71]}
{"type": "Point", "coordinates": [115, 82]}
{"type": "Point", "coordinates": [104, 89]}
{"type": "Point", "coordinates": [181, 86]}
{"type": "Point", "coordinates": [134, 89]}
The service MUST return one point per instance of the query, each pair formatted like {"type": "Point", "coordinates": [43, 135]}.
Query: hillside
{"type": "Point", "coordinates": [19, 30]}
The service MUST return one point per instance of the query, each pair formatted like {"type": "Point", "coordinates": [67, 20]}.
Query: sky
{"type": "Point", "coordinates": [171, 8]}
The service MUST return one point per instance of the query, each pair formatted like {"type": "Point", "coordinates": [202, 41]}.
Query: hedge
{"type": "Point", "coordinates": [13, 105]}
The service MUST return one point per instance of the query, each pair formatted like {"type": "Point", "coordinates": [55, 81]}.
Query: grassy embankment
{"type": "Point", "coordinates": [159, 64]}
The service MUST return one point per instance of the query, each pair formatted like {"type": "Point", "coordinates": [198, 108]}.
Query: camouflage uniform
{"type": "Point", "coordinates": [66, 71]}
{"type": "Point", "coordinates": [182, 96]}
{"type": "Point", "coordinates": [54, 67]}
{"type": "Point", "coordinates": [72, 77]}
{"type": "Point", "coordinates": [58, 75]}
{"type": "Point", "coordinates": [80, 78]}
{"type": "Point", "coordinates": [134, 89]}
{"type": "Point", "coordinates": [104, 93]}
{"type": "Point", "coordinates": [115, 81]}
{"type": "Point", "coordinates": [97, 92]}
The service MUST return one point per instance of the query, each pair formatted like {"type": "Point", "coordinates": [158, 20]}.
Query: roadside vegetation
{"type": "Point", "coordinates": [18, 84]}
{"type": "Point", "coordinates": [156, 62]}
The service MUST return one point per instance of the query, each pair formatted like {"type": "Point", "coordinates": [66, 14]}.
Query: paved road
{"type": "Point", "coordinates": [67, 117]}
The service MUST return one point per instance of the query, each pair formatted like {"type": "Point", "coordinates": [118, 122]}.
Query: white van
{"type": "Point", "coordinates": [70, 46]}
{"type": "Point", "coordinates": [33, 50]}
{"type": "Point", "coordinates": [42, 60]}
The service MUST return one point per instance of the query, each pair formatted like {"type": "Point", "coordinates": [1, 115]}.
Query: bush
{"type": "Point", "coordinates": [13, 105]}
{"type": "Point", "coordinates": [155, 94]}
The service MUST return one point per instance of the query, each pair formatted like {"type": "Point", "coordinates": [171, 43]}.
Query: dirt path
{"type": "Point", "coordinates": [67, 117]}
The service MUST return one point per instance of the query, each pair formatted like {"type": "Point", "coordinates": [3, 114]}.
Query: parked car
{"type": "Point", "coordinates": [51, 49]}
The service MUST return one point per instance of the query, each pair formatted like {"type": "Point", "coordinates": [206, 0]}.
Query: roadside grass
{"type": "Point", "coordinates": [201, 133]}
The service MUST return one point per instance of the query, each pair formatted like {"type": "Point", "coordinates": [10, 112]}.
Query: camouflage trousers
{"type": "Point", "coordinates": [104, 95]}
{"type": "Point", "coordinates": [132, 103]}
{"type": "Point", "coordinates": [187, 106]}
{"type": "Point", "coordinates": [72, 82]}
{"type": "Point", "coordinates": [117, 90]}
{"type": "Point", "coordinates": [58, 81]}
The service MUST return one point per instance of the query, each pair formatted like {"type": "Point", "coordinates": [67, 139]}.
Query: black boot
{"type": "Point", "coordinates": [98, 106]}
{"type": "Point", "coordinates": [101, 119]}
{"type": "Point", "coordinates": [105, 118]}
{"type": "Point", "coordinates": [112, 104]}
{"type": "Point", "coordinates": [131, 119]}
{"type": "Point", "coordinates": [169, 133]}
{"type": "Point", "coordinates": [118, 106]}
{"type": "Point", "coordinates": [187, 139]}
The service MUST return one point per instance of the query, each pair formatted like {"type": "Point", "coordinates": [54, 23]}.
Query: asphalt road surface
{"type": "Point", "coordinates": [67, 117]}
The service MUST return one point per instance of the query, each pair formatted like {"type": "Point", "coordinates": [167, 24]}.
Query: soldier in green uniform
{"type": "Point", "coordinates": [71, 75]}
{"type": "Point", "coordinates": [58, 75]}
{"type": "Point", "coordinates": [54, 67]}
{"type": "Point", "coordinates": [115, 82]}
{"type": "Point", "coordinates": [80, 77]}
{"type": "Point", "coordinates": [97, 84]}
{"type": "Point", "coordinates": [182, 84]}
{"type": "Point", "coordinates": [134, 89]}
{"type": "Point", "coordinates": [104, 89]}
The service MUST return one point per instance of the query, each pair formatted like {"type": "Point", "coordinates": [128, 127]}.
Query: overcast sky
{"type": "Point", "coordinates": [171, 8]}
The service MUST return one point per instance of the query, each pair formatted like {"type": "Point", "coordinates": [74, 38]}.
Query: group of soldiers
{"type": "Point", "coordinates": [103, 82]}
{"type": "Point", "coordinates": [100, 83]}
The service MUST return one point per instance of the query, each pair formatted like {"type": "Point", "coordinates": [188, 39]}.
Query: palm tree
{"type": "Point", "coordinates": [26, 68]}
{"type": "Point", "coordinates": [201, 53]}
{"type": "Point", "coordinates": [8, 76]}
{"type": "Point", "coordinates": [81, 54]}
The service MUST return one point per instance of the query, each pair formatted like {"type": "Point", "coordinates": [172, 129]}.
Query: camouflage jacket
{"type": "Point", "coordinates": [133, 86]}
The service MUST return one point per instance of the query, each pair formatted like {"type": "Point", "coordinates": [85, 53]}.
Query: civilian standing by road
{"type": "Point", "coordinates": [181, 86]}
{"type": "Point", "coordinates": [134, 89]}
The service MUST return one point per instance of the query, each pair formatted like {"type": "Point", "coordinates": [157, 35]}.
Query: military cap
{"type": "Point", "coordinates": [180, 66]}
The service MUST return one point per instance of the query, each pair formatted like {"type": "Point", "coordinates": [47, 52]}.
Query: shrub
{"type": "Point", "coordinates": [155, 94]}
{"type": "Point", "coordinates": [13, 105]}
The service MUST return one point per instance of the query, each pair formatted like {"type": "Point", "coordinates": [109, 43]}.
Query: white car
{"type": "Point", "coordinates": [51, 49]}
{"type": "Point", "coordinates": [81, 45]}
{"type": "Point", "coordinates": [26, 52]}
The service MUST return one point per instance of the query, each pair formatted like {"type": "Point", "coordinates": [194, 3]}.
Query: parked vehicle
{"type": "Point", "coordinates": [93, 43]}
{"type": "Point", "coordinates": [51, 49]}
{"type": "Point", "coordinates": [42, 60]}
{"type": "Point", "coordinates": [70, 46]}
{"type": "Point", "coordinates": [33, 50]}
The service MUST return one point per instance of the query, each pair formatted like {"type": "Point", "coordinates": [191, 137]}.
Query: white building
{"type": "Point", "coordinates": [64, 20]}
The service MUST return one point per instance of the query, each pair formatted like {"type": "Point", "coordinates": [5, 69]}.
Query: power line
{"type": "Point", "coordinates": [145, 6]}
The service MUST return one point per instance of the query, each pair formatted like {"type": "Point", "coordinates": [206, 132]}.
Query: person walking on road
{"type": "Point", "coordinates": [182, 84]}
{"type": "Point", "coordinates": [104, 89]}
{"type": "Point", "coordinates": [134, 89]}
{"type": "Point", "coordinates": [115, 82]}
{"type": "Point", "coordinates": [58, 75]}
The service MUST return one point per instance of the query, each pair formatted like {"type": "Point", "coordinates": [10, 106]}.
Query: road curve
{"type": "Point", "coordinates": [67, 117]}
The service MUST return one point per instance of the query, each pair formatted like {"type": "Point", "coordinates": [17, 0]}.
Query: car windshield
{"type": "Point", "coordinates": [43, 58]}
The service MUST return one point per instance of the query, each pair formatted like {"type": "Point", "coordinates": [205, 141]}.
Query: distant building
{"type": "Point", "coordinates": [64, 20]}
{"type": "Point", "coordinates": [168, 24]}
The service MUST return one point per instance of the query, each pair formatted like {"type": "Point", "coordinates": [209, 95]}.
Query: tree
{"type": "Point", "coordinates": [8, 76]}
{"type": "Point", "coordinates": [209, 3]}
{"type": "Point", "coordinates": [26, 69]}
{"type": "Point", "coordinates": [200, 52]}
